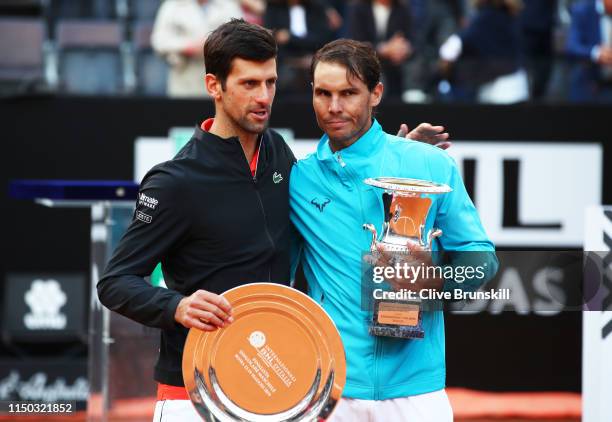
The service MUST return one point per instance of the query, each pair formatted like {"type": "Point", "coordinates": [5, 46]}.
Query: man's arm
{"type": "Point", "coordinates": [160, 224]}
{"type": "Point", "coordinates": [463, 235]}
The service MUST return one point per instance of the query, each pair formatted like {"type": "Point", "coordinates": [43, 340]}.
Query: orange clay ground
{"type": "Point", "coordinates": [468, 406]}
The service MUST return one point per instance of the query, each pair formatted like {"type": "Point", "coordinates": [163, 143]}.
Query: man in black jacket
{"type": "Point", "coordinates": [216, 216]}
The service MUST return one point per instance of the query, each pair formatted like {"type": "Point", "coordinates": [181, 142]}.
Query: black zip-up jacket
{"type": "Point", "coordinates": [211, 224]}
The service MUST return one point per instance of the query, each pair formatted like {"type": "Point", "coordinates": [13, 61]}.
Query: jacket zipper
{"type": "Point", "coordinates": [266, 226]}
{"type": "Point", "coordinates": [377, 345]}
{"type": "Point", "coordinates": [355, 180]}
{"type": "Point", "coordinates": [263, 211]}
{"type": "Point", "coordinates": [376, 359]}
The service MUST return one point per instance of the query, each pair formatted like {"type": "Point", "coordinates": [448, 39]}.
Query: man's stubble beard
{"type": "Point", "coordinates": [253, 128]}
{"type": "Point", "coordinates": [349, 139]}
{"type": "Point", "coordinates": [245, 125]}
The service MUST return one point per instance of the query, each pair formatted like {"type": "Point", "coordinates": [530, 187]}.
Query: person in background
{"type": "Point", "coordinates": [385, 24]}
{"type": "Point", "coordinates": [180, 28]}
{"type": "Point", "coordinates": [487, 55]}
{"type": "Point", "coordinates": [537, 21]}
{"type": "Point", "coordinates": [335, 10]}
{"type": "Point", "coordinates": [253, 10]}
{"type": "Point", "coordinates": [590, 43]}
{"type": "Point", "coordinates": [437, 20]}
{"type": "Point", "coordinates": [300, 28]}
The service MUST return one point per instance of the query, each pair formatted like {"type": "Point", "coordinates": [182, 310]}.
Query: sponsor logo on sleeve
{"type": "Point", "coordinates": [147, 201]}
{"type": "Point", "coordinates": [145, 218]}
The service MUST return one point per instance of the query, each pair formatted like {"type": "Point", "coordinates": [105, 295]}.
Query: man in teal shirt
{"type": "Point", "coordinates": [387, 378]}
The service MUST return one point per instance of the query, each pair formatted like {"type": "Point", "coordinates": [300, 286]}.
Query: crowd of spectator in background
{"type": "Point", "coordinates": [487, 51]}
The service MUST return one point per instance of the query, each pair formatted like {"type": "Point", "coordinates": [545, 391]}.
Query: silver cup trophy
{"type": "Point", "coordinates": [406, 204]}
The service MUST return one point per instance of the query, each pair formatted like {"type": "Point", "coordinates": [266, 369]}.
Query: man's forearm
{"type": "Point", "coordinates": [134, 298]}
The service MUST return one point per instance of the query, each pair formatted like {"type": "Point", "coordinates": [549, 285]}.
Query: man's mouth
{"type": "Point", "coordinates": [336, 124]}
{"type": "Point", "coordinates": [260, 115]}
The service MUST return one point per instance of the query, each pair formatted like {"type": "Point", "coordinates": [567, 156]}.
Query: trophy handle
{"type": "Point", "coordinates": [431, 235]}
{"type": "Point", "coordinates": [372, 229]}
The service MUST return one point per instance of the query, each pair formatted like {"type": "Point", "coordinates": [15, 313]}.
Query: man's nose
{"type": "Point", "coordinates": [334, 105]}
{"type": "Point", "coordinates": [264, 96]}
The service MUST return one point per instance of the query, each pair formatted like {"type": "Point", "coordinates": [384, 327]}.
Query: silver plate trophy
{"type": "Point", "coordinates": [406, 205]}
{"type": "Point", "coordinates": [281, 360]}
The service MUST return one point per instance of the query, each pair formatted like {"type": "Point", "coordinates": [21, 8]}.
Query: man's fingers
{"type": "Point", "coordinates": [403, 130]}
{"type": "Point", "coordinates": [196, 323]}
{"type": "Point", "coordinates": [213, 303]}
{"type": "Point", "coordinates": [383, 255]}
{"type": "Point", "coordinates": [424, 132]}
{"type": "Point", "coordinates": [206, 306]}
{"type": "Point", "coordinates": [430, 132]}
{"type": "Point", "coordinates": [207, 317]}
{"type": "Point", "coordinates": [413, 247]}
{"type": "Point", "coordinates": [369, 259]}
{"type": "Point", "coordinates": [211, 307]}
{"type": "Point", "coordinates": [444, 145]}
{"type": "Point", "coordinates": [215, 299]}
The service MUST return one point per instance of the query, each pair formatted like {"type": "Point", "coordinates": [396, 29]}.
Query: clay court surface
{"type": "Point", "coordinates": [468, 406]}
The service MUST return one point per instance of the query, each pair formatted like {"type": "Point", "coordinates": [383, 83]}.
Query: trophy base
{"type": "Point", "coordinates": [397, 318]}
{"type": "Point", "coordinates": [397, 332]}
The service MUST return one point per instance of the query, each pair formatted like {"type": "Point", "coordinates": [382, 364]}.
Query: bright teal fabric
{"type": "Point", "coordinates": [329, 205]}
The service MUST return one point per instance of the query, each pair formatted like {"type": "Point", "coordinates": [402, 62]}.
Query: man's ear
{"type": "Point", "coordinates": [376, 95]}
{"type": "Point", "coordinates": [213, 86]}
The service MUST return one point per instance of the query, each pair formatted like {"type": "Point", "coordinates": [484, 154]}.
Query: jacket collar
{"type": "Point", "coordinates": [222, 144]}
{"type": "Point", "coordinates": [209, 140]}
{"type": "Point", "coordinates": [364, 147]}
{"type": "Point", "coordinates": [231, 146]}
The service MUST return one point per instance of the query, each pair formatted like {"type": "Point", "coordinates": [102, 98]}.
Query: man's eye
{"type": "Point", "coordinates": [250, 84]}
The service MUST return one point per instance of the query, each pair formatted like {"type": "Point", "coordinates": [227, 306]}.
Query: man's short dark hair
{"type": "Point", "coordinates": [359, 58]}
{"type": "Point", "coordinates": [237, 39]}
